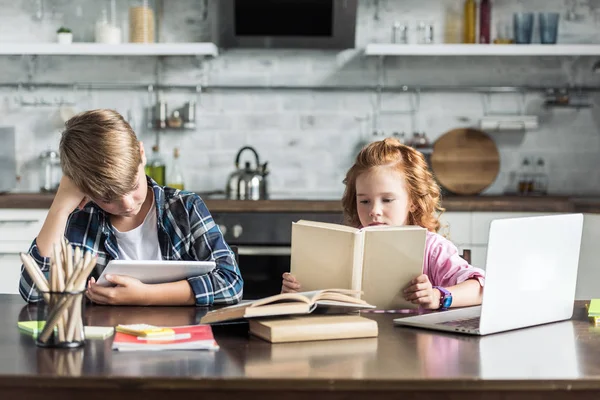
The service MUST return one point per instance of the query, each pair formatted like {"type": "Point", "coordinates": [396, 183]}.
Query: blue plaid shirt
{"type": "Point", "coordinates": [186, 231]}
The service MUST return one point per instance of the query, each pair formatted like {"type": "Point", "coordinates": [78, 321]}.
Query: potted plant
{"type": "Point", "coordinates": [64, 35]}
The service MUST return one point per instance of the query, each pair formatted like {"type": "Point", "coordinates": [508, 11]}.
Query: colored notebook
{"type": "Point", "coordinates": [192, 337]}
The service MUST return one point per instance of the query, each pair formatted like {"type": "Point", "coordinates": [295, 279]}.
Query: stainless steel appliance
{"type": "Point", "coordinates": [327, 24]}
{"type": "Point", "coordinates": [8, 163]}
{"type": "Point", "coordinates": [247, 183]}
{"type": "Point", "coordinates": [264, 245]}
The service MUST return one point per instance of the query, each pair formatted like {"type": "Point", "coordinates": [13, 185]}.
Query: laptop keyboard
{"type": "Point", "coordinates": [466, 323]}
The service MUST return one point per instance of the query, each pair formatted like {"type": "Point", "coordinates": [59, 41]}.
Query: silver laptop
{"type": "Point", "coordinates": [531, 274]}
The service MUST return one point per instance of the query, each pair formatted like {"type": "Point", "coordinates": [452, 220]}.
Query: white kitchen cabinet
{"type": "Point", "coordinates": [480, 223]}
{"type": "Point", "coordinates": [456, 227]}
{"type": "Point", "coordinates": [18, 224]}
{"type": "Point", "coordinates": [18, 228]}
{"type": "Point", "coordinates": [10, 266]}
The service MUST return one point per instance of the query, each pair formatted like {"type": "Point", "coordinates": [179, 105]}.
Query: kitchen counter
{"type": "Point", "coordinates": [564, 204]}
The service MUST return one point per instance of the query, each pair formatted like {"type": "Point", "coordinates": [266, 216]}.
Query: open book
{"type": "Point", "coordinates": [289, 304]}
{"type": "Point", "coordinates": [379, 261]}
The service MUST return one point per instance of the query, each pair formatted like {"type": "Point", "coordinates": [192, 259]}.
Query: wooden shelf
{"type": "Point", "coordinates": [390, 49]}
{"type": "Point", "coordinates": [101, 49]}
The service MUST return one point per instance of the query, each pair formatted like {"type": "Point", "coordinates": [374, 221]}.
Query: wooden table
{"type": "Point", "coordinates": [555, 361]}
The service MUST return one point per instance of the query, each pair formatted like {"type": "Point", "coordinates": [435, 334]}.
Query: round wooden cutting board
{"type": "Point", "coordinates": [465, 161]}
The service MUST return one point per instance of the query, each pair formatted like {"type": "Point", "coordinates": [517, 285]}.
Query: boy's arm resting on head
{"type": "Point", "coordinates": [68, 198]}
{"type": "Point", "coordinates": [224, 285]}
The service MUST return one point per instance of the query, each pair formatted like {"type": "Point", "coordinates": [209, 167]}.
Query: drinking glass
{"type": "Point", "coordinates": [548, 27]}
{"type": "Point", "coordinates": [523, 27]}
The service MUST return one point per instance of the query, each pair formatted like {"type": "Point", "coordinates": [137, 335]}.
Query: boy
{"type": "Point", "coordinates": [105, 203]}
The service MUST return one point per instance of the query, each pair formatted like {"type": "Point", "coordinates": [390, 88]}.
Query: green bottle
{"type": "Point", "coordinates": [155, 167]}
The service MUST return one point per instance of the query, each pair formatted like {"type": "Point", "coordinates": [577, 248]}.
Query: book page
{"type": "Point", "coordinates": [322, 257]}
{"type": "Point", "coordinates": [392, 258]}
{"type": "Point", "coordinates": [327, 225]}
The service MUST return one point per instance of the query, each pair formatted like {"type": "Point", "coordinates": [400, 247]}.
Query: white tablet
{"type": "Point", "coordinates": [156, 271]}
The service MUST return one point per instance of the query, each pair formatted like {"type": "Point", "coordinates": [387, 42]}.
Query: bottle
{"type": "Point", "coordinates": [525, 177]}
{"type": "Point", "coordinates": [469, 22]}
{"type": "Point", "coordinates": [540, 185]}
{"type": "Point", "coordinates": [485, 19]}
{"type": "Point", "coordinates": [155, 167]}
{"type": "Point", "coordinates": [175, 179]}
{"type": "Point", "coordinates": [452, 24]}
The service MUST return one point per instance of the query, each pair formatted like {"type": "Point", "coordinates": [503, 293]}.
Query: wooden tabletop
{"type": "Point", "coordinates": [555, 361]}
{"type": "Point", "coordinates": [564, 204]}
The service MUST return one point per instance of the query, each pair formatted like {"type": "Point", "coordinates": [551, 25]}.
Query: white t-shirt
{"type": "Point", "coordinates": [140, 243]}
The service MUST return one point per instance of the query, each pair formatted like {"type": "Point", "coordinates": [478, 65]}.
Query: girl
{"type": "Point", "coordinates": [390, 184]}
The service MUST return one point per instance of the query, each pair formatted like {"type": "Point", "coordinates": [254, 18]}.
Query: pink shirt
{"type": "Point", "coordinates": [444, 266]}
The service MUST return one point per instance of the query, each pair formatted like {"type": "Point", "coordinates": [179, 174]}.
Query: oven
{"type": "Point", "coordinates": [264, 245]}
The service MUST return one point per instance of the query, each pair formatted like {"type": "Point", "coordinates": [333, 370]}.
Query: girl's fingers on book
{"type": "Point", "coordinates": [290, 286]}
{"type": "Point", "coordinates": [289, 277]}
{"type": "Point", "coordinates": [417, 295]}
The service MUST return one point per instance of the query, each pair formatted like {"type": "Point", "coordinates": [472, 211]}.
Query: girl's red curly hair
{"type": "Point", "coordinates": [423, 191]}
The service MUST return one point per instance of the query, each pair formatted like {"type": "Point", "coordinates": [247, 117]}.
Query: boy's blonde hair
{"type": "Point", "coordinates": [423, 191]}
{"type": "Point", "coordinates": [101, 154]}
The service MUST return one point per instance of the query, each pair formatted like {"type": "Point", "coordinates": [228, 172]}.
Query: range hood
{"type": "Point", "coordinates": [308, 24]}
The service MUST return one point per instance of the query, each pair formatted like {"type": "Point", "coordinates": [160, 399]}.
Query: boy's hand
{"type": "Point", "coordinates": [128, 291]}
{"type": "Point", "coordinates": [290, 284]}
{"type": "Point", "coordinates": [421, 292]}
{"type": "Point", "coordinates": [69, 196]}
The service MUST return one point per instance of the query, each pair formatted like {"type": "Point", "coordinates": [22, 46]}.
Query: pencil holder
{"type": "Point", "coordinates": [61, 314]}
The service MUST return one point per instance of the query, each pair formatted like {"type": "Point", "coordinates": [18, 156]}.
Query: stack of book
{"type": "Point", "coordinates": [192, 337]}
{"type": "Point", "coordinates": [305, 316]}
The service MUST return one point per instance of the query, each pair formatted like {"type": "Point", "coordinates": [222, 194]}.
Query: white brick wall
{"type": "Point", "coordinates": [308, 138]}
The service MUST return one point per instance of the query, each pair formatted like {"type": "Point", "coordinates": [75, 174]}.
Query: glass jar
{"type": "Point", "coordinates": [142, 22]}
{"type": "Point", "coordinates": [50, 171]}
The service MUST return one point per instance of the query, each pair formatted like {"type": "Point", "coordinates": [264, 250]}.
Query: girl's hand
{"type": "Point", "coordinates": [289, 284]}
{"type": "Point", "coordinates": [129, 291]}
{"type": "Point", "coordinates": [421, 292]}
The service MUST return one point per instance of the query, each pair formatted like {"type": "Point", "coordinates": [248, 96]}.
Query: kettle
{"type": "Point", "coordinates": [247, 183]}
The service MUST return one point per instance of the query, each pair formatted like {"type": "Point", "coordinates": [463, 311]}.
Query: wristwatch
{"type": "Point", "coordinates": [445, 298]}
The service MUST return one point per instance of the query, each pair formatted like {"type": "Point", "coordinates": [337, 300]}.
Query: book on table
{"type": "Point", "coordinates": [313, 327]}
{"type": "Point", "coordinates": [192, 337]}
{"type": "Point", "coordinates": [379, 261]}
{"type": "Point", "coordinates": [328, 300]}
